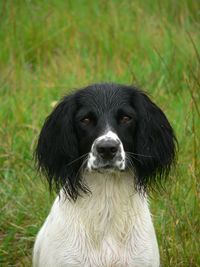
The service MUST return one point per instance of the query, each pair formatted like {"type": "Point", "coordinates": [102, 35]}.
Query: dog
{"type": "Point", "coordinates": [103, 148]}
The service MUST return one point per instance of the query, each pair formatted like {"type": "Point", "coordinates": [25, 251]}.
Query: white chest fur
{"type": "Point", "coordinates": [111, 226]}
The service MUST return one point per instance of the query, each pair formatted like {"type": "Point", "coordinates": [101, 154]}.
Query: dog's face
{"type": "Point", "coordinates": [105, 124]}
{"type": "Point", "coordinates": [101, 127]}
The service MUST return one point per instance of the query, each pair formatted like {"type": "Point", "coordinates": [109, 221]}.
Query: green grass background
{"type": "Point", "coordinates": [48, 48]}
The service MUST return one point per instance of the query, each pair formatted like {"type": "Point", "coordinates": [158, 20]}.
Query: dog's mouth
{"type": "Point", "coordinates": [108, 168]}
{"type": "Point", "coordinates": [95, 164]}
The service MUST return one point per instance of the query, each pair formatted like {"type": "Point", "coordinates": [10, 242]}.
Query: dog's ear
{"type": "Point", "coordinates": [57, 148]}
{"type": "Point", "coordinates": [155, 142]}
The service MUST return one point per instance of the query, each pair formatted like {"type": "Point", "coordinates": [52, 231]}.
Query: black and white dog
{"type": "Point", "coordinates": [103, 147]}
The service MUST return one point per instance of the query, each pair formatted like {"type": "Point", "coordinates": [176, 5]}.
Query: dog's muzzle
{"type": "Point", "coordinates": [107, 152]}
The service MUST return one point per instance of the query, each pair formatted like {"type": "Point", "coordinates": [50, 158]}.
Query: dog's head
{"type": "Point", "coordinates": [103, 127]}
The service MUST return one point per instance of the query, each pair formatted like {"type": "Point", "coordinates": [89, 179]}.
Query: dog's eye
{"type": "Point", "coordinates": [86, 120]}
{"type": "Point", "coordinates": [124, 119]}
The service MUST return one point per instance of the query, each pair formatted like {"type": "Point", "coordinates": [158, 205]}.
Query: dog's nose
{"type": "Point", "coordinates": [107, 149]}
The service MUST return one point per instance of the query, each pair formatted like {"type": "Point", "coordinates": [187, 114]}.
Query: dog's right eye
{"type": "Point", "coordinates": [86, 121]}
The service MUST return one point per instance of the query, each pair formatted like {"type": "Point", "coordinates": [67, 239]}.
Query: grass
{"type": "Point", "coordinates": [48, 48]}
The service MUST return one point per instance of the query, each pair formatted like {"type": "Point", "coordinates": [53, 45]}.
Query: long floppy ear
{"type": "Point", "coordinates": [155, 142]}
{"type": "Point", "coordinates": [57, 148]}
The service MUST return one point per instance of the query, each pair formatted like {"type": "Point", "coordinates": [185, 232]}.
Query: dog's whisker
{"type": "Point", "coordinates": [78, 171]}
{"type": "Point", "coordinates": [129, 160]}
{"type": "Point", "coordinates": [75, 160]}
{"type": "Point", "coordinates": [81, 167]}
{"type": "Point", "coordinates": [135, 154]}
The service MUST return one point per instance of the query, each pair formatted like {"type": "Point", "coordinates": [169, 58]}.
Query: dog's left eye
{"type": "Point", "coordinates": [124, 119]}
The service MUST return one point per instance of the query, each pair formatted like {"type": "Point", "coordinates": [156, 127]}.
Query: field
{"type": "Point", "coordinates": [48, 48]}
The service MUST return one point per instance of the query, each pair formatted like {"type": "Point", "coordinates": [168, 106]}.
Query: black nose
{"type": "Point", "coordinates": [107, 149]}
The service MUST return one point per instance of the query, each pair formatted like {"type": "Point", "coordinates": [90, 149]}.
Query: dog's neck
{"type": "Point", "coordinates": [112, 206]}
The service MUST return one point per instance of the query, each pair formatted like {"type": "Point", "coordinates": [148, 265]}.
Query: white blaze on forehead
{"type": "Point", "coordinates": [109, 135]}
